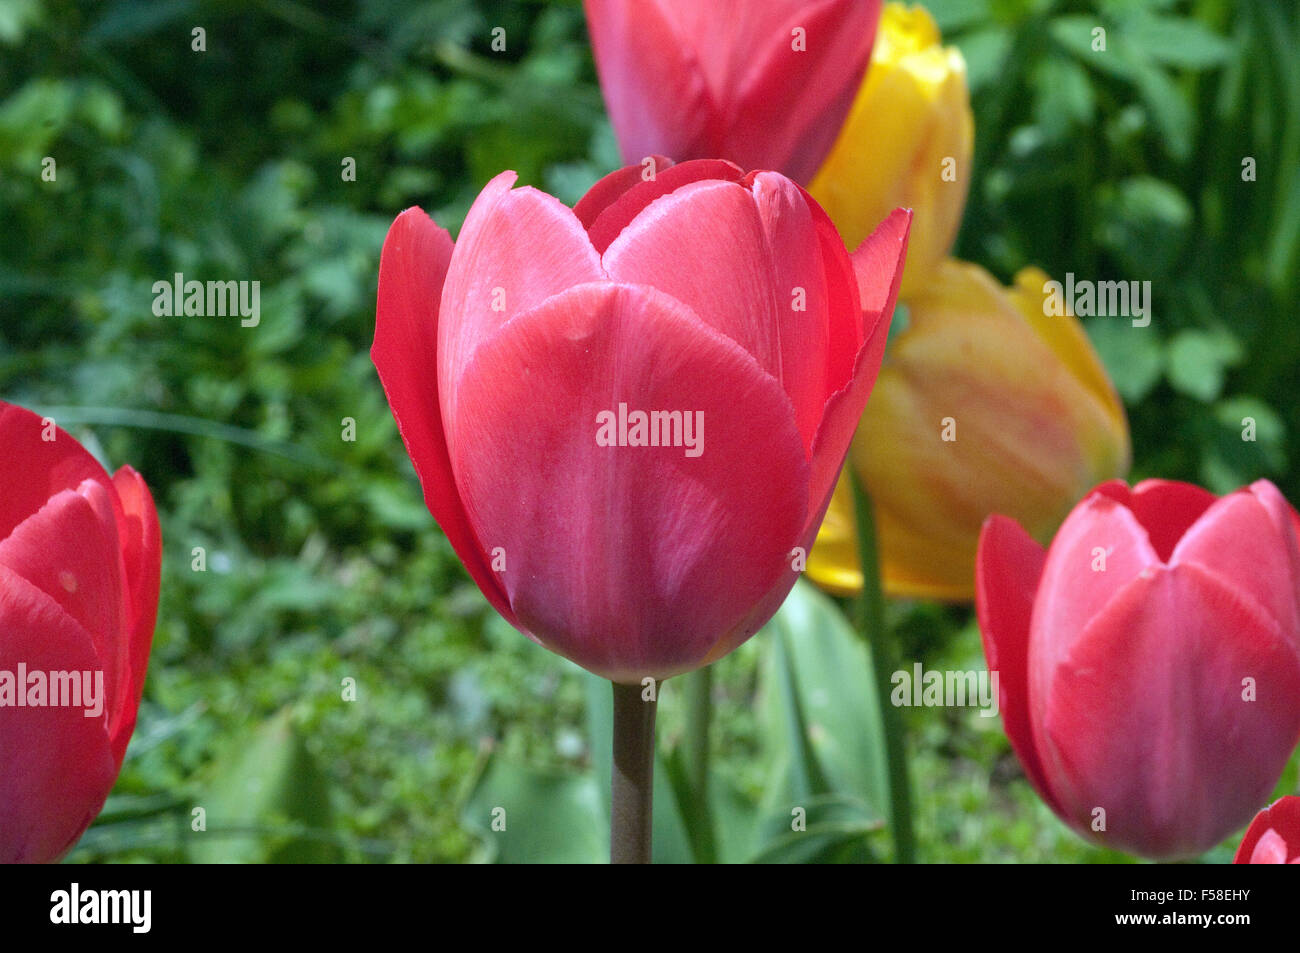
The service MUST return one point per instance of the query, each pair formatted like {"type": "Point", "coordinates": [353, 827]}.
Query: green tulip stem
{"type": "Point", "coordinates": [632, 777]}
{"type": "Point", "coordinates": [871, 621]}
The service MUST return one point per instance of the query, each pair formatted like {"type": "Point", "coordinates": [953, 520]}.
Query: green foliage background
{"type": "Point", "coordinates": [322, 562]}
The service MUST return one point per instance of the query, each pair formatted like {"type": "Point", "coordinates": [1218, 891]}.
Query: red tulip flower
{"type": "Point", "coordinates": [1274, 836]}
{"type": "Point", "coordinates": [720, 307]}
{"type": "Point", "coordinates": [763, 83]}
{"type": "Point", "coordinates": [79, 563]}
{"type": "Point", "coordinates": [1149, 661]}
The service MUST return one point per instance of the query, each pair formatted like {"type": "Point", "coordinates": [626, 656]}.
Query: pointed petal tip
{"type": "Point", "coordinates": [878, 263]}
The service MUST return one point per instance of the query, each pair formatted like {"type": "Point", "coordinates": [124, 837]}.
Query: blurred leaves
{"type": "Point", "coordinates": [1135, 361]}
{"type": "Point", "coordinates": [266, 801]}
{"type": "Point", "coordinates": [1198, 361]}
{"type": "Point", "coordinates": [526, 815]}
{"type": "Point", "coordinates": [1145, 223]}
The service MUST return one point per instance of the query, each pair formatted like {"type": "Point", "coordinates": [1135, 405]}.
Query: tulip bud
{"type": "Point", "coordinates": [763, 83]}
{"type": "Point", "coordinates": [1273, 836]}
{"type": "Point", "coordinates": [1149, 661]}
{"type": "Point", "coordinates": [80, 556]}
{"type": "Point", "coordinates": [985, 404]}
{"type": "Point", "coordinates": [907, 142]}
{"type": "Point", "coordinates": [628, 417]}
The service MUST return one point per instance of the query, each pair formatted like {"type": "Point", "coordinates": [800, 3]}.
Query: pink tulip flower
{"type": "Point", "coordinates": [1273, 836]}
{"type": "Point", "coordinates": [517, 360]}
{"type": "Point", "coordinates": [764, 83]}
{"type": "Point", "coordinates": [80, 556]}
{"type": "Point", "coordinates": [1149, 660]}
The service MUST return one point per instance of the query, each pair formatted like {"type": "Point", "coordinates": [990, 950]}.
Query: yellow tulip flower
{"type": "Point", "coordinates": [986, 403]}
{"type": "Point", "coordinates": [906, 143]}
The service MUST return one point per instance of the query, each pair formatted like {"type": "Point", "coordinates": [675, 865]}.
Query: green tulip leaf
{"type": "Point", "coordinates": [267, 802]}
{"type": "Point", "coordinates": [529, 816]}
{"type": "Point", "coordinates": [819, 707]}
{"type": "Point", "coordinates": [827, 829]}
{"type": "Point", "coordinates": [736, 819]}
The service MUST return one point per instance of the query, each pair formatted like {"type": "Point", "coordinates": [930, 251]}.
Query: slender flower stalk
{"type": "Point", "coordinates": [632, 781]}
{"type": "Point", "coordinates": [871, 622]}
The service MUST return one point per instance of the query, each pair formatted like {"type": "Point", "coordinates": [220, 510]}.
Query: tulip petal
{"type": "Point", "coordinates": [765, 85]}
{"type": "Point", "coordinates": [738, 29]}
{"type": "Point", "coordinates": [1151, 717]}
{"type": "Point", "coordinates": [1283, 514]}
{"type": "Point", "coordinates": [847, 321]}
{"type": "Point", "coordinates": [1271, 849]}
{"type": "Point", "coordinates": [36, 468]}
{"type": "Point", "coordinates": [607, 223]}
{"type": "Point", "coordinates": [1282, 820]}
{"type": "Point", "coordinates": [1238, 531]}
{"type": "Point", "coordinates": [1099, 549]}
{"type": "Point", "coordinates": [855, 349]}
{"type": "Point", "coordinates": [818, 82]}
{"type": "Point", "coordinates": [1286, 522]}
{"type": "Point", "coordinates": [141, 540]}
{"type": "Point", "coordinates": [756, 275]}
{"type": "Point", "coordinates": [614, 186]}
{"type": "Point", "coordinates": [767, 606]}
{"type": "Point", "coordinates": [629, 560]}
{"type": "Point", "coordinates": [1068, 341]}
{"type": "Point", "coordinates": [69, 550]}
{"type": "Point", "coordinates": [1165, 508]}
{"type": "Point", "coordinates": [653, 81]}
{"type": "Point", "coordinates": [517, 248]}
{"type": "Point", "coordinates": [878, 268]}
{"type": "Point", "coordinates": [56, 767]}
{"type": "Point", "coordinates": [412, 269]}
{"type": "Point", "coordinates": [1008, 566]}
{"type": "Point", "coordinates": [877, 264]}
{"type": "Point", "coordinates": [798, 278]}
